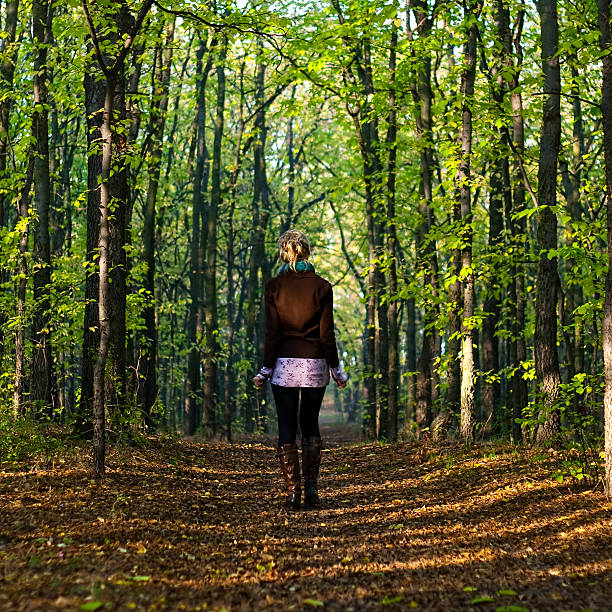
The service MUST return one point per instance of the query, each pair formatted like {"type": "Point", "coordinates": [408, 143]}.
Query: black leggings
{"type": "Point", "coordinates": [287, 400]}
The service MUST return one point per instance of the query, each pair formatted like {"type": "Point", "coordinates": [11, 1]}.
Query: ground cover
{"type": "Point", "coordinates": [199, 526]}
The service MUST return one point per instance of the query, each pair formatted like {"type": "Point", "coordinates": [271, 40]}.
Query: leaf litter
{"type": "Point", "coordinates": [188, 525]}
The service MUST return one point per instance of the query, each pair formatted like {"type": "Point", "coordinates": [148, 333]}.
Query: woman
{"type": "Point", "coordinates": [300, 349]}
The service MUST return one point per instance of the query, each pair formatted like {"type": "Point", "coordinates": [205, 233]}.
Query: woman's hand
{"type": "Point", "coordinates": [259, 381]}
{"type": "Point", "coordinates": [262, 376]}
{"type": "Point", "coordinates": [339, 377]}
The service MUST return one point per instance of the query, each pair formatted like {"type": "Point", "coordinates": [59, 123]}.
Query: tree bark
{"type": "Point", "coordinates": [42, 361]}
{"type": "Point", "coordinates": [211, 350]}
{"type": "Point", "coordinates": [159, 109]}
{"type": "Point", "coordinates": [468, 75]}
{"type": "Point", "coordinates": [23, 206]}
{"type": "Point", "coordinates": [258, 266]}
{"type": "Point", "coordinates": [193, 400]}
{"type": "Point", "coordinates": [392, 313]}
{"type": "Point", "coordinates": [111, 236]}
{"type": "Point", "coordinates": [518, 348]}
{"type": "Point", "coordinates": [427, 262]}
{"type": "Point", "coordinates": [8, 51]}
{"type": "Point", "coordinates": [605, 42]}
{"type": "Point", "coordinates": [547, 283]}
{"type": "Point", "coordinates": [8, 55]}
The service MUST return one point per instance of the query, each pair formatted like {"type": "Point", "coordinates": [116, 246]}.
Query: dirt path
{"type": "Point", "coordinates": [201, 527]}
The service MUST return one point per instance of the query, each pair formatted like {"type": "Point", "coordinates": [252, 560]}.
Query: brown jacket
{"type": "Point", "coordinates": [299, 318]}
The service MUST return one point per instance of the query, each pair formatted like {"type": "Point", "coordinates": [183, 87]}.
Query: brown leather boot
{"type": "Point", "coordinates": [290, 465]}
{"type": "Point", "coordinates": [311, 460]}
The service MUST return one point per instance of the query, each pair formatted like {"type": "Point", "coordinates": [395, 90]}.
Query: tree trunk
{"type": "Point", "coordinates": [23, 205]}
{"type": "Point", "coordinates": [193, 399]}
{"type": "Point", "coordinates": [8, 54]}
{"type": "Point", "coordinates": [517, 299]}
{"type": "Point", "coordinates": [104, 262]}
{"type": "Point", "coordinates": [94, 103]}
{"type": "Point", "coordinates": [257, 258]}
{"type": "Point", "coordinates": [159, 109]}
{"type": "Point", "coordinates": [42, 364]}
{"type": "Point", "coordinates": [111, 235]}
{"type": "Point", "coordinates": [443, 420]}
{"type": "Point", "coordinates": [392, 313]}
{"type": "Point", "coordinates": [411, 362]}
{"type": "Point", "coordinates": [426, 248]}
{"type": "Point", "coordinates": [211, 321]}
{"type": "Point", "coordinates": [468, 75]}
{"type": "Point", "coordinates": [605, 41]}
{"type": "Point", "coordinates": [547, 284]}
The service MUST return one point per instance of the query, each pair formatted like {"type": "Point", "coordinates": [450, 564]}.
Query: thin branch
{"type": "Point", "coordinates": [144, 9]}
{"type": "Point", "coordinates": [345, 252]}
{"type": "Point", "coordinates": [217, 27]}
{"type": "Point", "coordinates": [566, 95]}
{"type": "Point", "coordinates": [94, 38]}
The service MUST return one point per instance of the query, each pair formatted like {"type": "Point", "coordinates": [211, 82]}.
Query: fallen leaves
{"type": "Point", "coordinates": [198, 526]}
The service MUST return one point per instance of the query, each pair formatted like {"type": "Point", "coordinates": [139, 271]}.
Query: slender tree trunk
{"type": "Point", "coordinates": [426, 248]}
{"type": "Point", "coordinates": [8, 54]}
{"type": "Point", "coordinates": [211, 350]}
{"type": "Point", "coordinates": [443, 420]}
{"type": "Point", "coordinates": [547, 284]}
{"type": "Point", "coordinates": [605, 41]}
{"type": "Point", "coordinates": [229, 380]}
{"type": "Point", "coordinates": [111, 235]}
{"type": "Point", "coordinates": [23, 206]}
{"type": "Point", "coordinates": [94, 103]}
{"type": "Point", "coordinates": [158, 120]}
{"type": "Point", "coordinates": [104, 239]}
{"type": "Point", "coordinates": [518, 348]}
{"type": "Point", "coordinates": [464, 184]}
{"type": "Point", "coordinates": [410, 361]}
{"type": "Point", "coordinates": [572, 178]}
{"type": "Point", "coordinates": [392, 314]}
{"type": "Point", "coordinates": [42, 364]}
{"type": "Point", "coordinates": [193, 401]}
{"type": "Point", "coordinates": [492, 302]}
{"type": "Point", "coordinates": [258, 272]}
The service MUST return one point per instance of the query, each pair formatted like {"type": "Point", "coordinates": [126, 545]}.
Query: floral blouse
{"type": "Point", "coordinates": [301, 372]}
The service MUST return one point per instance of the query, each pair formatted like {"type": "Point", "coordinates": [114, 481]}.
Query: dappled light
{"type": "Point", "coordinates": [179, 526]}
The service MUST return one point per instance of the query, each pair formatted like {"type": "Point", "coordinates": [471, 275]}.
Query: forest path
{"type": "Point", "coordinates": [198, 526]}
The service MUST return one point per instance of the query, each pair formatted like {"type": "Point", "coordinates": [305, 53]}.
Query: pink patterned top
{"type": "Point", "coordinates": [300, 372]}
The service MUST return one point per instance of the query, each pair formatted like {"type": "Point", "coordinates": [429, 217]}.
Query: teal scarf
{"type": "Point", "coordinates": [300, 266]}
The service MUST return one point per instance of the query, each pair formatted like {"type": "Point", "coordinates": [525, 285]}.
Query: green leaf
{"type": "Point", "coordinates": [91, 605]}
{"type": "Point", "coordinates": [140, 578]}
{"type": "Point", "coordinates": [482, 599]}
{"type": "Point", "coordinates": [509, 592]}
{"type": "Point", "coordinates": [313, 602]}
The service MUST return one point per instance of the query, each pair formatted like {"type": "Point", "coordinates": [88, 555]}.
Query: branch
{"type": "Point", "coordinates": [566, 95]}
{"type": "Point", "coordinates": [217, 27]}
{"type": "Point", "coordinates": [144, 9]}
{"type": "Point", "coordinates": [94, 38]}
{"type": "Point", "coordinates": [345, 252]}
{"type": "Point", "coordinates": [306, 206]}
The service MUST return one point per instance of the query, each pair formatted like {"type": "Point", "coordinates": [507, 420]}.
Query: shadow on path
{"type": "Point", "coordinates": [199, 526]}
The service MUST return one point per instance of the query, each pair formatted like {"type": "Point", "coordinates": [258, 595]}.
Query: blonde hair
{"type": "Point", "coordinates": [293, 246]}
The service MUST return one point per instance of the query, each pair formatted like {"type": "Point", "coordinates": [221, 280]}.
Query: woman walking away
{"type": "Point", "coordinates": [300, 349]}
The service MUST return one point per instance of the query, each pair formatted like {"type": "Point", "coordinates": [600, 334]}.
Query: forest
{"type": "Point", "coordinates": [451, 163]}
{"type": "Point", "coordinates": [448, 163]}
